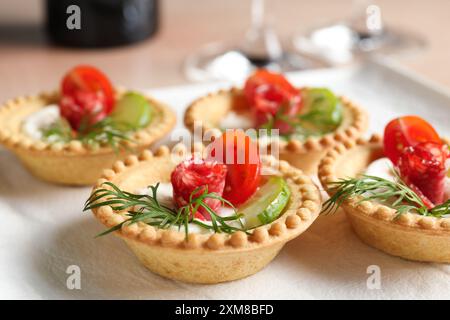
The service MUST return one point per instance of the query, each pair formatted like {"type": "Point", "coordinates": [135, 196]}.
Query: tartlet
{"type": "Point", "coordinates": [71, 163]}
{"type": "Point", "coordinates": [303, 154]}
{"type": "Point", "coordinates": [206, 258]}
{"type": "Point", "coordinates": [409, 235]}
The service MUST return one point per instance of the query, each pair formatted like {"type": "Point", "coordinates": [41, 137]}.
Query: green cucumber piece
{"type": "Point", "coordinates": [267, 203]}
{"type": "Point", "coordinates": [133, 110]}
{"type": "Point", "coordinates": [323, 110]}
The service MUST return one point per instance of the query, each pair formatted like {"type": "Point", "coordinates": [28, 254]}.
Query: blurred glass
{"type": "Point", "coordinates": [261, 47]}
{"type": "Point", "coordinates": [362, 34]}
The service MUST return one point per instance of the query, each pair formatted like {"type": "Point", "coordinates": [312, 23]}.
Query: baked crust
{"type": "Point", "coordinates": [410, 236]}
{"type": "Point", "coordinates": [305, 155]}
{"type": "Point", "coordinates": [214, 257]}
{"type": "Point", "coordinates": [71, 163]}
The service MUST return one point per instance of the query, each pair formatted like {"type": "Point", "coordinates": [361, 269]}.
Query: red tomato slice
{"type": "Point", "coordinates": [240, 154]}
{"type": "Point", "coordinates": [404, 132]}
{"type": "Point", "coordinates": [87, 94]}
{"type": "Point", "coordinates": [261, 77]}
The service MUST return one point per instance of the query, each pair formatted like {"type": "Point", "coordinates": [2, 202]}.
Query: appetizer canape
{"type": "Point", "coordinates": [309, 120]}
{"type": "Point", "coordinates": [197, 218]}
{"type": "Point", "coordinates": [71, 135]}
{"type": "Point", "coordinates": [396, 190]}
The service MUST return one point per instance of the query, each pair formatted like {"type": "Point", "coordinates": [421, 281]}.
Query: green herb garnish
{"type": "Point", "coordinates": [147, 209]}
{"type": "Point", "coordinates": [324, 110]}
{"type": "Point", "coordinates": [59, 131]}
{"type": "Point", "coordinates": [106, 131]}
{"type": "Point", "coordinates": [323, 114]}
{"type": "Point", "coordinates": [395, 194]}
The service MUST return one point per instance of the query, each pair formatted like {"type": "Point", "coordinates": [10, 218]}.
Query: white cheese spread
{"type": "Point", "coordinates": [37, 121]}
{"type": "Point", "coordinates": [234, 120]}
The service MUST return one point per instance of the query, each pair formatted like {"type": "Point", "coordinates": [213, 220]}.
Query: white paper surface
{"type": "Point", "coordinates": [43, 230]}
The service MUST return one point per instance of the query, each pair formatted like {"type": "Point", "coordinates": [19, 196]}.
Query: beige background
{"type": "Point", "coordinates": [28, 64]}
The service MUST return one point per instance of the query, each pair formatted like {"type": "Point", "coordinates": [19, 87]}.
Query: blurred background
{"type": "Point", "coordinates": [176, 37]}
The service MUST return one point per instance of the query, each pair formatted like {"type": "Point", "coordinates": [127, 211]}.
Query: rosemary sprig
{"type": "Point", "coordinates": [147, 209]}
{"type": "Point", "coordinates": [107, 131]}
{"type": "Point", "coordinates": [394, 193]}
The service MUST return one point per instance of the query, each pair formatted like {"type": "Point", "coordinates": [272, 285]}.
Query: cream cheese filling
{"type": "Point", "coordinates": [39, 120]}
{"type": "Point", "coordinates": [234, 120]}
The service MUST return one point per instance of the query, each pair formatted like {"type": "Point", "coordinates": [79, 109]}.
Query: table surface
{"type": "Point", "coordinates": [28, 64]}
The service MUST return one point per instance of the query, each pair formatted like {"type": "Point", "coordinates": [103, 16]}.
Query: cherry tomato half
{"type": "Point", "coordinates": [405, 132]}
{"type": "Point", "coordinates": [87, 95]}
{"type": "Point", "coordinates": [265, 77]}
{"type": "Point", "coordinates": [240, 154]}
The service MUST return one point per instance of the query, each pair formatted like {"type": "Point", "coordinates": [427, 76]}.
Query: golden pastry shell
{"type": "Point", "coordinates": [222, 101]}
{"type": "Point", "coordinates": [431, 234]}
{"type": "Point", "coordinates": [258, 248]}
{"type": "Point", "coordinates": [15, 139]}
{"type": "Point", "coordinates": [302, 209]}
{"type": "Point", "coordinates": [72, 163]}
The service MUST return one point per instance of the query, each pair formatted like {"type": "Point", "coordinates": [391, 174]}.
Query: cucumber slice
{"type": "Point", "coordinates": [267, 203]}
{"type": "Point", "coordinates": [323, 110]}
{"type": "Point", "coordinates": [133, 110]}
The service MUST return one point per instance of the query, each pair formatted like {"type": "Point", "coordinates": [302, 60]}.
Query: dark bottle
{"type": "Point", "coordinates": [100, 23]}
